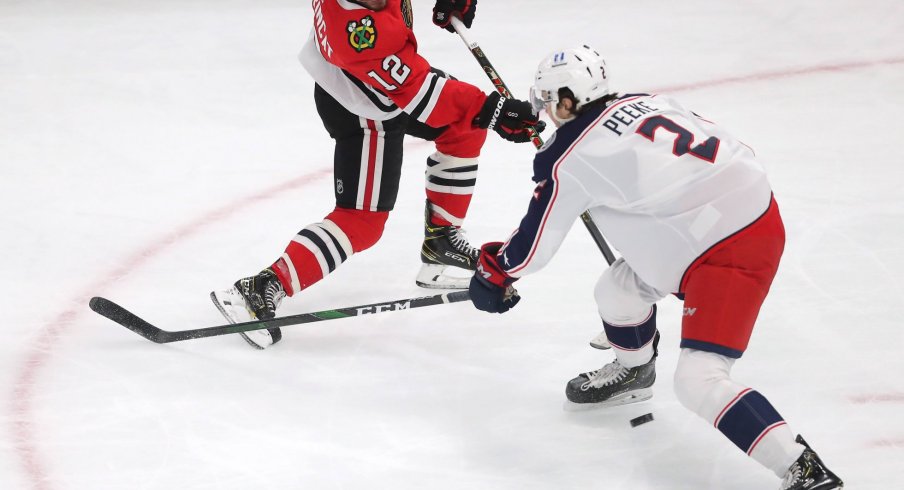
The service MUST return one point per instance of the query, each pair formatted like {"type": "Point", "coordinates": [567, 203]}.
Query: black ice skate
{"type": "Point", "coordinates": [253, 298]}
{"type": "Point", "coordinates": [614, 384]}
{"type": "Point", "coordinates": [444, 247]}
{"type": "Point", "coordinates": [809, 473]}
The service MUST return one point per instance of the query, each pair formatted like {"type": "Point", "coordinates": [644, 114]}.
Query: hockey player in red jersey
{"type": "Point", "coordinates": [372, 88]}
{"type": "Point", "coordinates": [690, 210]}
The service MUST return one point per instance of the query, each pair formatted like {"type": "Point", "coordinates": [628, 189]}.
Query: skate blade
{"type": "Point", "coordinates": [636, 396]}
{"type": "Point", "coordinates": [232, 307]}
{"type": "Point", "coordinates": [436, 276]}
{"type": "Point", "coordinates": [259, 339]}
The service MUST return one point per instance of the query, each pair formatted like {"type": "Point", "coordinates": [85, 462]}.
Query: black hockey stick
{"type": "Point", "coordinates": [134, 323]}
{"type": "Point", "coordinates": [534, 136]}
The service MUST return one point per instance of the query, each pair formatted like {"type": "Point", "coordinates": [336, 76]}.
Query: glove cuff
{"type": "Point", "coordinates": [488, 269]}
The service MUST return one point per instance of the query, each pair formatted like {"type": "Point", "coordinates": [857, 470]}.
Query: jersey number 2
{"type": "Point", "coordinates": [683, 138]}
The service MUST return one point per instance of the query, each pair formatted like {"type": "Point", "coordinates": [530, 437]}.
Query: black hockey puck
{"type": "Point", "coordinates": [643, 419]}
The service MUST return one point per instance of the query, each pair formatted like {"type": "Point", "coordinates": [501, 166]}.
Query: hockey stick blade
{"type": "Point", "coordinates": [127, 319]}
{"type": "Point", "coordinates": [124, 317]}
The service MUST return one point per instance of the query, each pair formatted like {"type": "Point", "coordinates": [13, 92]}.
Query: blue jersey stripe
{"type": "Point", "coordinates": [710, 347]}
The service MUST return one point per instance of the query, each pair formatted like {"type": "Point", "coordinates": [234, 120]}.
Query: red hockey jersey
{"type": "Point", "coordinates": [379, 49]}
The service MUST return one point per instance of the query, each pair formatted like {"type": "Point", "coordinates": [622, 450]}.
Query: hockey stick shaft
{"type": "Point", "coordinates": [535, 138]}
{"type": "Point", "coordinates": [136, 324]}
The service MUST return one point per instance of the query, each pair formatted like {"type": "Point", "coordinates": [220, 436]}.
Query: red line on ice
{"type": "Point", "coordinates": [774, 75]}
{"type": "Point", "coordinates": [877, 398]}
{"type": "Point", "coordinates": [39, 353]}
{"type": "Point", "coordinates": [23, 429]}
{"type": "Point", "coordinates": [886, 443]}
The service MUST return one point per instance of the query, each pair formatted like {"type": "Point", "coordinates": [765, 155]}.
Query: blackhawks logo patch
{"type": "Point", "coordinates": [362, 34]}
{"type": "Point", "coordinates": [406, 13]}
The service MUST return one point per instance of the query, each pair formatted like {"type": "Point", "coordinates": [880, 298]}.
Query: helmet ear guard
{"type": "Point", "coordinates": [581, 70]}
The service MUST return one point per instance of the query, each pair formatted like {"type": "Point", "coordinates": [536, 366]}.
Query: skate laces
{"type": "Point", "coordinates": [609, 374]}
{"type": "Point", "coordinates": [792, 476]}
{"type": "Point", "coordinates": [273, 293]}
{"type": "Point", "coordinates": [459, 240]}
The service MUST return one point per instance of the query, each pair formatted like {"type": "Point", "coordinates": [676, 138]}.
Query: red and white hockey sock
{"type": "Point", "coordinates": [450, 185]}
{"type": "Point", "coordinates": [319, 248]}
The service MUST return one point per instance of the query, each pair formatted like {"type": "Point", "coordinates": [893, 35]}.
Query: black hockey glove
{"type": "Point", "coordinates": [509, 117]}
{"type": "Point", "coordinates": [491, 288]}
{"type": "Point", "coordinates": [445, 9]}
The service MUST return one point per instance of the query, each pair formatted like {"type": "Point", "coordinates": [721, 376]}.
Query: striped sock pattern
{"type": "Point", "coordinates": [747, 418]}
{"type": "Point", "coordinates": [633, 343]}
{"type": "Point", "coordinates": [315, 252]}
{"type": "Point", "coordinates": [450, 184]}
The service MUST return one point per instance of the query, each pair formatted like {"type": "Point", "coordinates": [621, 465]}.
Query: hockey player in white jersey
{"type": "Point", "coordinates": [692, 213]}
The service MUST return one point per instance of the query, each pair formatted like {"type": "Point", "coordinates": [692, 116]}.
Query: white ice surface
{"type": "Point", "coordinates": [153, 151]}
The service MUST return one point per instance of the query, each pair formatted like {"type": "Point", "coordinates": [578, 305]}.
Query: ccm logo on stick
{"type": "Point", "coordinates": [387, 307]}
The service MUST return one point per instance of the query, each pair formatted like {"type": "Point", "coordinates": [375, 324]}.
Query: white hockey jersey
{"type": "Point", "coordinates": [662, 184]}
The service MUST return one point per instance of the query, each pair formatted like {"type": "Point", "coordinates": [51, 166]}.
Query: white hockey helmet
{"type": "Point", "coordinates": [581, 70]}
